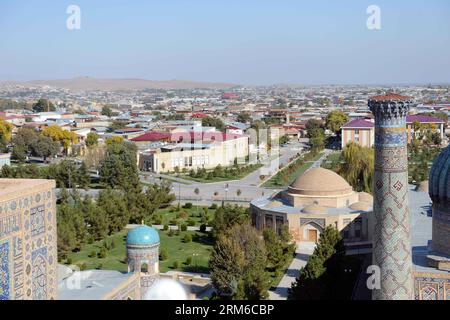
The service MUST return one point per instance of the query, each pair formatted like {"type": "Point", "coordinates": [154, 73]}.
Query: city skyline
{"type": "Point", "coordinates": [252, 43]}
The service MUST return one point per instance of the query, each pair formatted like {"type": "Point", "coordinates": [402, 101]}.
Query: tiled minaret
{"type": "Point", "coordinates": [391, 234]}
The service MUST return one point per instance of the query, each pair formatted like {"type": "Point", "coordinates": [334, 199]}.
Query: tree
{"type": "Point", "coordinates": [65, 137]}
{"type": "Point", "coordinates": [315, 281]}
{"type": "Point", "coordinates": [244, 117]}
{"type": "Point", "coordinates": [358, 166]}
{"type": "Point", "coordinates": [238, 264]}
{"type": "Point", "coordinates": [106, 111]}
{"type": "Point", "coordinates": [44, 147]}
{"type": "Point", "coordinates": [312, 126]}
{"type": "Point", "coordinates": [91, 139]}
{"type": "Point", "coordinates": [5, 131]}
{"type": "Point", "coordinates": [335, 120]}
{"type": "Point", "coordinates": [213, 122]}
{"type": "Point", "coordinates": [115, 207]}
{"type": "Point", "coordinates": [228, 216]}
{"type": "Point", "coordinates": [43, 105]}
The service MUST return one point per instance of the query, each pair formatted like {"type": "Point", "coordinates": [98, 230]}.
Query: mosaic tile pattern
{"type": "Point", "coordinates": [391, 238]}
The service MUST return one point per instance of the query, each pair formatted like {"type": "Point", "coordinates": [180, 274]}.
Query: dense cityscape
{"type": "Point", "coordinates": [115, 188]}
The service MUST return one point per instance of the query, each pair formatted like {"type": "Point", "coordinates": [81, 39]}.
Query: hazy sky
{"type": "Point", "coordinates": [244, 42]}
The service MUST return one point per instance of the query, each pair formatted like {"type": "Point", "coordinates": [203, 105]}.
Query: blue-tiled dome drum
{"type": "Point", "coordinates": [143, 250]}
{"type": "Point", "coordinates": [439, 189]}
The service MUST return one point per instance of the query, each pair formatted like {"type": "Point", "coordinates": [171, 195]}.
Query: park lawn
{"type": "Point", "coordinates": [241, 175]}
{"type": "Point", "coordinates": [271, 182]}
{"type": "Point", "coordinates": [169, 214]}
{"type": "Point", "coordinates": [199, 250]}
{"type": "Point", "coordinates": [177, 250]}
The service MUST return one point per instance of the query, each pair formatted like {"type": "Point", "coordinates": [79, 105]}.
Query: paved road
{"type": "Point", "coordinates": [249, 185]}
{"type": "Point", "coordinates": [302, 254]}
{"type": "Point", "coordinates": [217, 192]}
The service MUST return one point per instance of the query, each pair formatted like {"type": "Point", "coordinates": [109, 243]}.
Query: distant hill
{"type": "Point", "coordinates": [88, 83]}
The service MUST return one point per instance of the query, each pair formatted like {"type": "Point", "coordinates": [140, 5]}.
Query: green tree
{"type": "Point", "coordinates": [238, 264]}
{"type": "Point", "coordinates": [43, 105]}
{"type": "Point", "coordinates": [314, 281]}
{"type": "Point", "coordinates": [335, 120]}
{"type": "Point", "coordinates": [213, 122]}
{"type": "Point", "coordinates": [228, 216]}
{"type": "Point", "coordinates": [358, 167]}
{"type": "Point", "coordinates": [244, 117]}
{"type": "Point", "coordinates": [107, 111]}
{"type": "Point", "coordinates": [91, 139]}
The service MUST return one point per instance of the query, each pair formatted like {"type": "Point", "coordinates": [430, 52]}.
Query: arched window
{"type": "Point", "coordinates": [144, 267]}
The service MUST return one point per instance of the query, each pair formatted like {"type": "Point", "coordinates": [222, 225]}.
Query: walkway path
{"type": "Point", "coordinates": [302, 253]}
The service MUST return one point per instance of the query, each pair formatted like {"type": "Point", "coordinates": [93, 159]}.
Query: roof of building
{"type": "Point", "coordinates": [358, 123]}
{"type": "Point", "coordinates": [365, 197]}
{"type": "Point", "coordinates": [152, 136]}
{"type": "Point", "coordinates": [422, 119]}
{"type": "Point", "coordinates": [91, 284]}
{"type": "Point", "coordinates": [362, 123]}
{"type": "Point", "coordinates": [390, 97]}
{"type": "Point", "coordinates": [320, 181]}
{"type": "Point", "coordinates": [314, 209]}
{"type": "Point", "coordinates": [142, 236]}
{"type": "Point", "coordinates": [361, 206]}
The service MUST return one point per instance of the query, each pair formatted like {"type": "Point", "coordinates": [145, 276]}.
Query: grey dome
{"type": "Point", "coordinates": [439, 178]}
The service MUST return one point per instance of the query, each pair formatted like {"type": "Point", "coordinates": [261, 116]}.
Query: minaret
{"type": "Point", "coordinates": [391, 234]}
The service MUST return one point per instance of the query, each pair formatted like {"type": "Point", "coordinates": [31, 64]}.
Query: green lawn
{"type": "Point", "coordinates": [275, 278]}
{"type": "Point", "coordinates": [182, 216]}
{"type": "Point", "coordinates": [272, 182]}
{"type": "Point", "coordinates": [199, 250]}
{"type": "Point", "coordinates": [242, 174]}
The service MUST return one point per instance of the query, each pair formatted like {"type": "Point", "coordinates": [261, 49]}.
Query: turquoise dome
{"type": "Point", "coordinates": [142, 236]}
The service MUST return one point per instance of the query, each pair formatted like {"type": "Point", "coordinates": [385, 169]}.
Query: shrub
{"type": "Point", "coordinates": [183, 227]}
{"type": "Point", "coordinates": [188, 261]}
{"type": "Point", "coordinates": [171, 233]}
{"type": "Point", "coordinates": [93, 254]}
{"type": "Point", "coordinates": [191, 223]}
{"type": "Point", "coordinates": [175, 265]}
{"type": "Point", "coordinates": [166, 227]}
{"type": "Point", "coordinates": [83, 266]}
{"type": "Point", "coordinates": [213, 206]}
{"type": "Point", "coordinates": [183, 215]}
{"type": "Point", "coordinates": [173, 222]}
{"type": "Point", "coordinates": [163, 255]}
{"type": "Point", "coordinates": [103, 253]}
{"type": "Point", "coordinates": [187, 238]}
{"type": "Point", "coordinates": [157, 219]}
{"type": "Point", "coordinates": [69, 260]}
{"type": "Point", "coordinates": [203, 228]}
{"type": "Point", "coordinates": [188, 205]}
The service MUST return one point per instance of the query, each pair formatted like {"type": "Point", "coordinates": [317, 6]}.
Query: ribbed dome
{"type": "Point", "coordinates": [361, 206]}
{"type": "Point", "coordinates": [142, 236]}
{"type": "Point", "coordinates": [365, 197]}
{"type": "Point", "coordinates": [314, 209]}
{"type": "Point", "coordinates": [439, 178]}
{"type": "Point", "coordinates": [320, 181]}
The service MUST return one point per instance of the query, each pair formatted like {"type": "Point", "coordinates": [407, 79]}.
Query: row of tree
{"type": "Point", "coordinates": [329, 273]}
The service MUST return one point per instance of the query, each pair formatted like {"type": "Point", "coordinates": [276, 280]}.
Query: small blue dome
{"type": "Point", "coordinates": [142, 236]}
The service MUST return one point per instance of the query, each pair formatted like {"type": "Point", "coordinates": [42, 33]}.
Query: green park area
{"type": "Point", "coordinates": [187, 214]}
{"type": "Point", "coordinates": [288, 174]}
{"type": "Point", "coordinates": [219, 173]}
{"type": "Point", "coordinates": [183, 251]}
